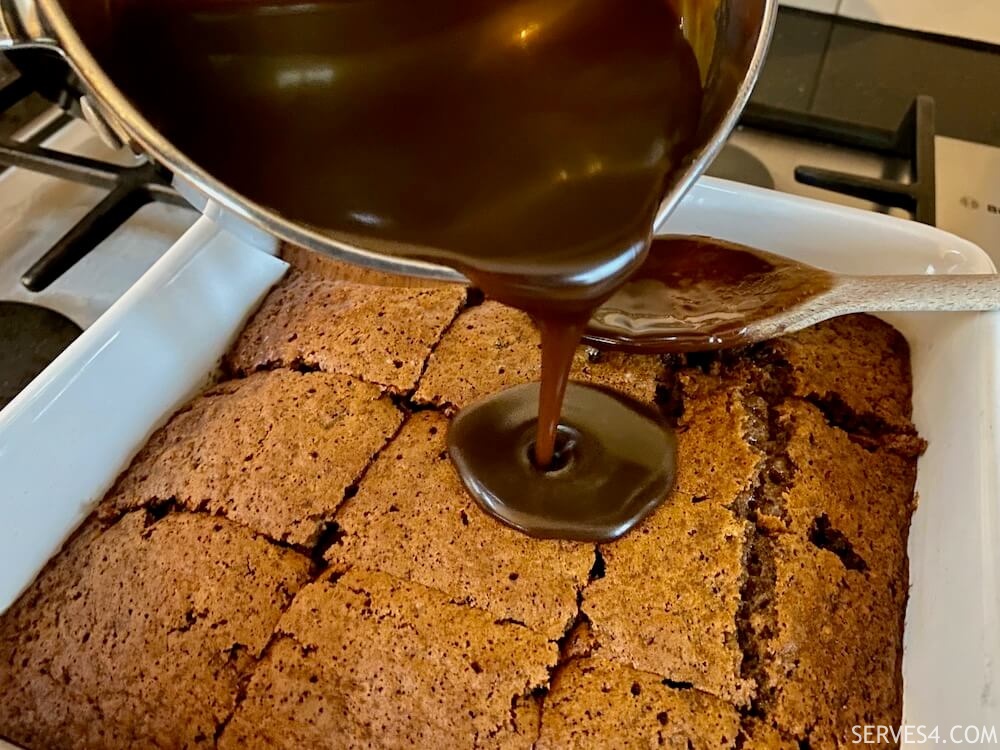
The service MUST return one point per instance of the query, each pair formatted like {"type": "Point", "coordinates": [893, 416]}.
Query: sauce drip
{"type": "Point", "coordinates": [559, 342]}
{"type": "Point", "coordinates": [526, 143]}
{"type": "Point", "coordinates": [696, 293]}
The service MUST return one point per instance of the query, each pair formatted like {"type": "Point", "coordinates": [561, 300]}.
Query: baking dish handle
{"type": "Point", "coordinates": [67, 436]}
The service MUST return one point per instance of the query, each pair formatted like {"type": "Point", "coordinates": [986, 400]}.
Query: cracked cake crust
{"type": "Point", "coordinates": [367, 657]}
{"type": "Point", "coordinates": [670, 594]}
{"type": "Point", "coordinates": [412, 518]}
{"type": "Point", "coordinates": [382, 335]}
{"type": "Point", "coordinates": [275, 451]}
{"type": "Point", "coordinates": [594, 702]}
{"type": "Point", "coordinates": [491, 347]}
{"type": "Point", "coordinates": [139, 635]}
{"type": "Point", "coordinates": [761, 606]}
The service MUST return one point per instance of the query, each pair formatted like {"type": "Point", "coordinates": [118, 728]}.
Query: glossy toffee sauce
{"type": "Point", "coordinates": [608, 447]}
{"type": "Point", "coordinates": [695, 293]}
{"type": "Point", "coordinates": [526, 143]}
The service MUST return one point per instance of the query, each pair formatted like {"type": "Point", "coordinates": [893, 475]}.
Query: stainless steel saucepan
{"type": "Point", "coordinates": [730, 38]}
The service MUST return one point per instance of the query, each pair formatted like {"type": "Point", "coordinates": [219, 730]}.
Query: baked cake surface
{"type": "Point", "coordinates": [139, 636]}
{"type": "Point", "coordinates": [599, 703]}
{"type": "Point", "coordinates": [412, 518]}
{"type": "Point", "coordinates": [367, 658]}
{"type": "Point", "coordinates": [491, 347]}
{"type": "Point", "coordinates": [670, 607]}
{"type": "Point", "coordinates": [379, 334]}
{"type": "Point", "coordinates": [292, 560]}
{"type": "Point", "coordinates": [275, 451]}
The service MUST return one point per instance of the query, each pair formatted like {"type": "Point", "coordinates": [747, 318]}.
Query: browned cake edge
{"type": "Point", "coordinates": [778, 391]}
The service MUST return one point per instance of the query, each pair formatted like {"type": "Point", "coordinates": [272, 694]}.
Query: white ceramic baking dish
{"type": "Point", "coordinates": [65, 439]}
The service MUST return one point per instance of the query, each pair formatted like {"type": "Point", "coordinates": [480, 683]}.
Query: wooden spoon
{"type": "Point", "coordinates": [695, 293]}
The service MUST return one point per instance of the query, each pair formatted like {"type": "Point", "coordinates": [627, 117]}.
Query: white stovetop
{"type": "Point", "coordinates": [968, 19]}
{"type": "Point", "coordinates": [968, 191]}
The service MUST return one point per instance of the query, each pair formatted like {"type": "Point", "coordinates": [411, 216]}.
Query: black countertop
{"type": "Point", "coordinates": [868, 74]}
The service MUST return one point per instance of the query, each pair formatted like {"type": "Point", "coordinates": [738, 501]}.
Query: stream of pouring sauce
{"type": "Point", "coordinates": [526, 143]}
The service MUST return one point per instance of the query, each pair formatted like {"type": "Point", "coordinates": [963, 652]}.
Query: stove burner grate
{"type": "Point", "coordinates": [129, 189]}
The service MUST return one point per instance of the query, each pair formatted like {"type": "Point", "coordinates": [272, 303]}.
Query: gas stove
{"type": "Point", "coordinates": [50, 287]}
{"type": "Point", "coordinates": [80, 222]}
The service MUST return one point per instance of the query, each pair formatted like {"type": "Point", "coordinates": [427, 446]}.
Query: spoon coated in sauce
{"type": "Point", "coordinates": [695, 293]}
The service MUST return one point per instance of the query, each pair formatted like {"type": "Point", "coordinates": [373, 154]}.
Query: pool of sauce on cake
{"type": "Point", "coordinates": [606, 446]}
{"type": "Point", "coordinates": [527, 143]}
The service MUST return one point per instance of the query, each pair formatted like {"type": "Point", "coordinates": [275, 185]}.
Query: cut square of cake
{"type": "Point", "coordinates": [275, 451]}
{"type": "Point", "coordinates": [140, 635]}
{"type": "Point", "coordinates": [367, 659]}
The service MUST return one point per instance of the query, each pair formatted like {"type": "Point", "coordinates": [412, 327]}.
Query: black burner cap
{"type": "Point", "coordinates": [30, 338]}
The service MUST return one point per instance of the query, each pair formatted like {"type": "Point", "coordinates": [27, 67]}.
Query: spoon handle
{"type": "Point", "coordinates": [920, 293]}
